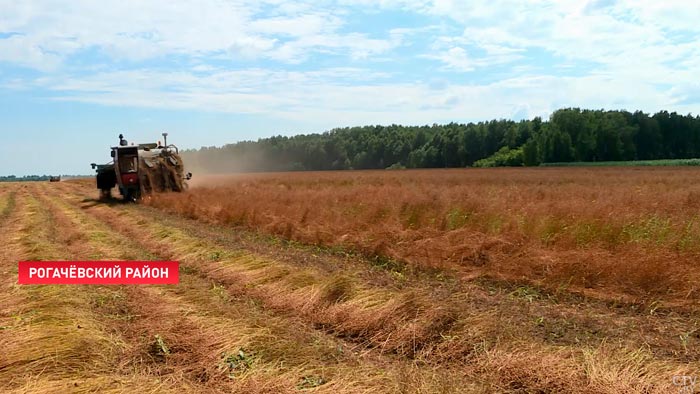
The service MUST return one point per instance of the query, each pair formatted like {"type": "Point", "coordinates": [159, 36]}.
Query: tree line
{"type": "Point", "coordinates": [569, 135]}
{"type": "Point", "coordinates": [25, 178]}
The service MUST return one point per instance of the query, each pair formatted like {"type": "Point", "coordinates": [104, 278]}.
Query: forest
{"type": "Point", "coordinates": [569, 135]}
{"type": "Point", "coordinates": [25, 178]}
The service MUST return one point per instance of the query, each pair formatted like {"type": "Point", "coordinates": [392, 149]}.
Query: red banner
{"type": "Point", "coordinates": [98, 272]}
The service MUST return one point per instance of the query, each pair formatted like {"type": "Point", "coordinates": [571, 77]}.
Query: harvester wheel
{"type": "Point", "coordinates": [132, 195]}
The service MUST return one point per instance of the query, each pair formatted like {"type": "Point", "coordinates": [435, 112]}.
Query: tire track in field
{"type": "Point", "coordinates": [278, 339]}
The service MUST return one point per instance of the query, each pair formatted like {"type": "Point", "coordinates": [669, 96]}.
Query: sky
{"type": "Point", "coordinates": [75, 74]}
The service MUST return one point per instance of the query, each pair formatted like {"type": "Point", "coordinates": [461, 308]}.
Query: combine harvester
{"type": "Point", "coordinates": [141, 169]}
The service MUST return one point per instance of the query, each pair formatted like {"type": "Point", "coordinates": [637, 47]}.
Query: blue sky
{"type": "Point", "coordinates": [73, 75]}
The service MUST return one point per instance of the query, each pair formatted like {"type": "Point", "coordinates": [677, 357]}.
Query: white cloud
{"type": "Point", "coordinates": [24, 51]}
{"type": "Point", "coordinates": [298, 26]}
{"type": "Point", "coordinates": [618, 38]}
{"type": "Point", "coordinates": [600, 53]}
{"type": "Point", "coordinates": [457, 59]}
{"type": "Point", "coordinates": [350, 96]}
{"type": "Point", "coordinates": [55, 30]}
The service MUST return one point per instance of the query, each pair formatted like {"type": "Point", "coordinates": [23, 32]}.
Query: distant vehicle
{"type": "Point", "coordinates": [55, 178]}
{"type": "Point", "coordinates": [142, 169]}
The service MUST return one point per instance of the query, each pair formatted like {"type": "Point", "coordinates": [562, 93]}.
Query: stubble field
{"type": "Point", "coordinates": [506, 280]}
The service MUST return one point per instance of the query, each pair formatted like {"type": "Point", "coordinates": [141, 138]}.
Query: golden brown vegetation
{"type": "Point", "coordinates": [620, 231]}
{"type": "Point", "coordinates": [256, 314]}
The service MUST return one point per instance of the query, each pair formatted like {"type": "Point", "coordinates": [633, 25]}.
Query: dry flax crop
{"type": "Point", "coordinates": [616, 233]}
{"type": "Point", "coordinates": [200, 336]}
{"type": "Point", "coordinates": [255, 313]}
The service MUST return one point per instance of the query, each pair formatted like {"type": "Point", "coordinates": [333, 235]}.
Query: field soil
{"type": "Point", "coordinates": [515, 281]}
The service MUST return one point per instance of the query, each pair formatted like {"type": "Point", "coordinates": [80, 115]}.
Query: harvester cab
{"type": "Point", "coordinates": [141, 169]}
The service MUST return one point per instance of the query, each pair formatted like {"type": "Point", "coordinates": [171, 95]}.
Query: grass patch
{"type": "Point", "coordinates": [237, 363]}
{"type": "Point", "coordinates": [628, 163]}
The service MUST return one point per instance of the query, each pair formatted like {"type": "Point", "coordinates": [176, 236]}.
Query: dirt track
{"type": "Point", "coordinates": [256, 314]}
